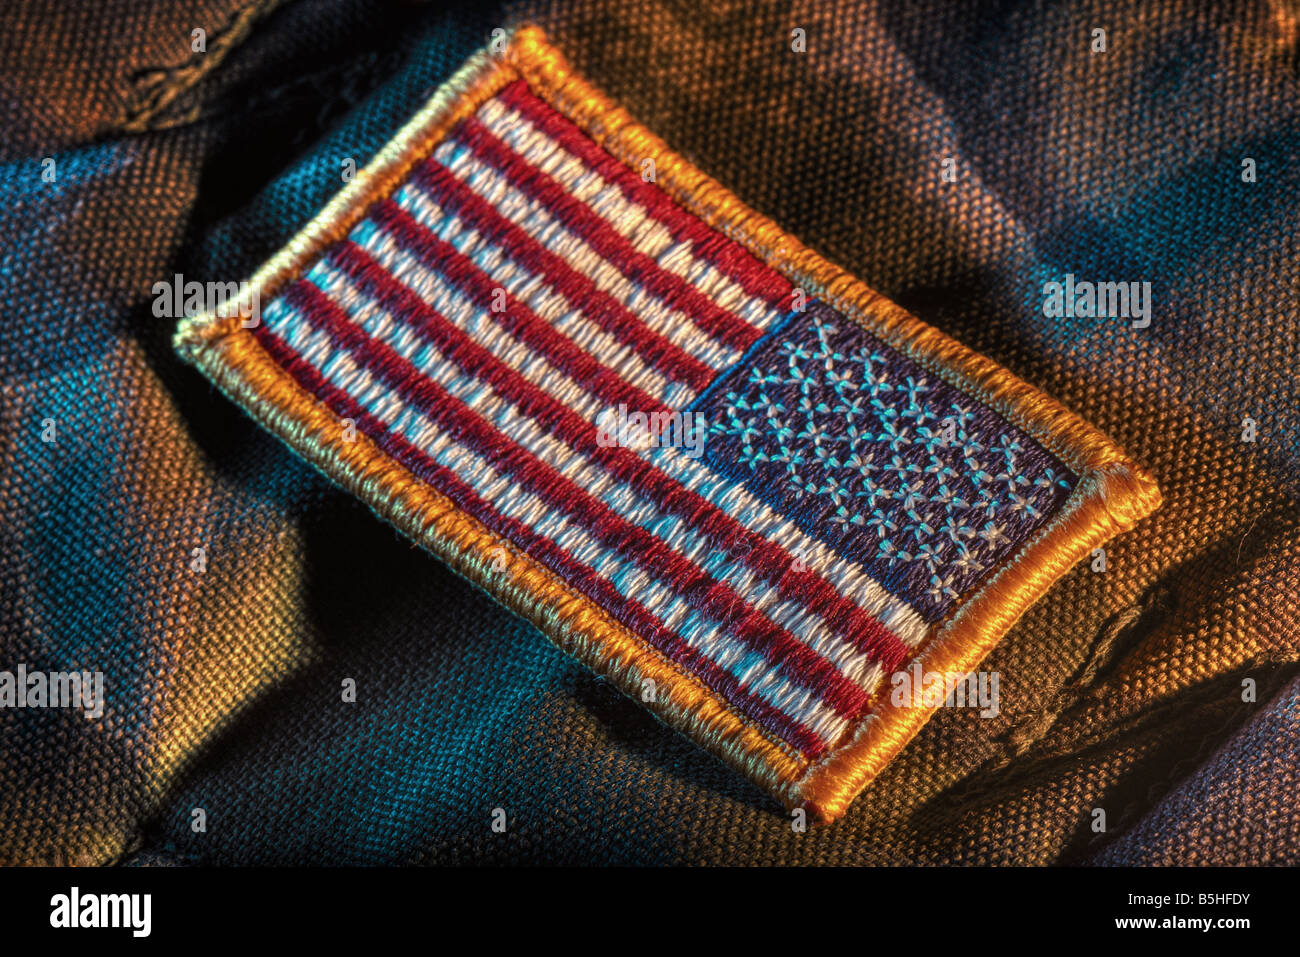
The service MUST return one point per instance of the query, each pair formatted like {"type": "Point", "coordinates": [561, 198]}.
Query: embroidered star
{"type": "Point", "coordinates": [966, 563]}
{"type": "Point", "coordinates": [993, 535]}
{"type": "Point", "coordinates": [882, 523]}
{"type": "Point", "coordinates": [842, 517]}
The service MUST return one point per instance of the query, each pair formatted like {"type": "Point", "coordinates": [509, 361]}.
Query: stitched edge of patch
{"type": "Point", "coordinates": [1112, 493]}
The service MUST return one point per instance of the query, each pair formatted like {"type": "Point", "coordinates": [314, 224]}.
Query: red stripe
{"type": "Point", "coordinates": [731, 258]}
{"type": "Point", "coordinates": [578, 575]}
{"type": "Point", "coordinates": [718, 322]}
{"type": "Point", "coordinates": [579, 290]}
{"type": "Point", "coordinates": [450, 263]}
{"type": "Point", "coordinates": [773, 563]}
{"type": "Point", "coordinates": [713, 598]}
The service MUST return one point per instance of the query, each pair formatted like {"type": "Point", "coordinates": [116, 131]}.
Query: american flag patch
{"type": "Point", "coordinates": [711, 465]}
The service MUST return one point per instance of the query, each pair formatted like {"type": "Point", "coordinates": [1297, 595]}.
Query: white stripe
{"type": "Point", "coordinates": [630, 218]}
{"type": "Point", "coordinates": [534, 218]}
{"type": "Point", "coordinates": [440, 293]}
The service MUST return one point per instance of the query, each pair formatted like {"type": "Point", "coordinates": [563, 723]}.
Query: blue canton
{"type": "Point", "coordinates": [877, 457]}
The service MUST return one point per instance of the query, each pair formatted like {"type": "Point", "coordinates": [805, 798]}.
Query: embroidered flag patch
{"type": "Point", "coordinates": [709, 464]}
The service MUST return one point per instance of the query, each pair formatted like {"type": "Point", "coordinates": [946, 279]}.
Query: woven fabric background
{"type": "Point", "coordinates": [1119, 690]}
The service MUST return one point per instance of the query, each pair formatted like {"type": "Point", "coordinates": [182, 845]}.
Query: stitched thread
{"type": "Point", "coordinates": [158, 91]}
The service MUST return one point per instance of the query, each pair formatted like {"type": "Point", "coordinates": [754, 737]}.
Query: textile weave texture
{"type": "Point", "coordinates": [1120, 690]}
